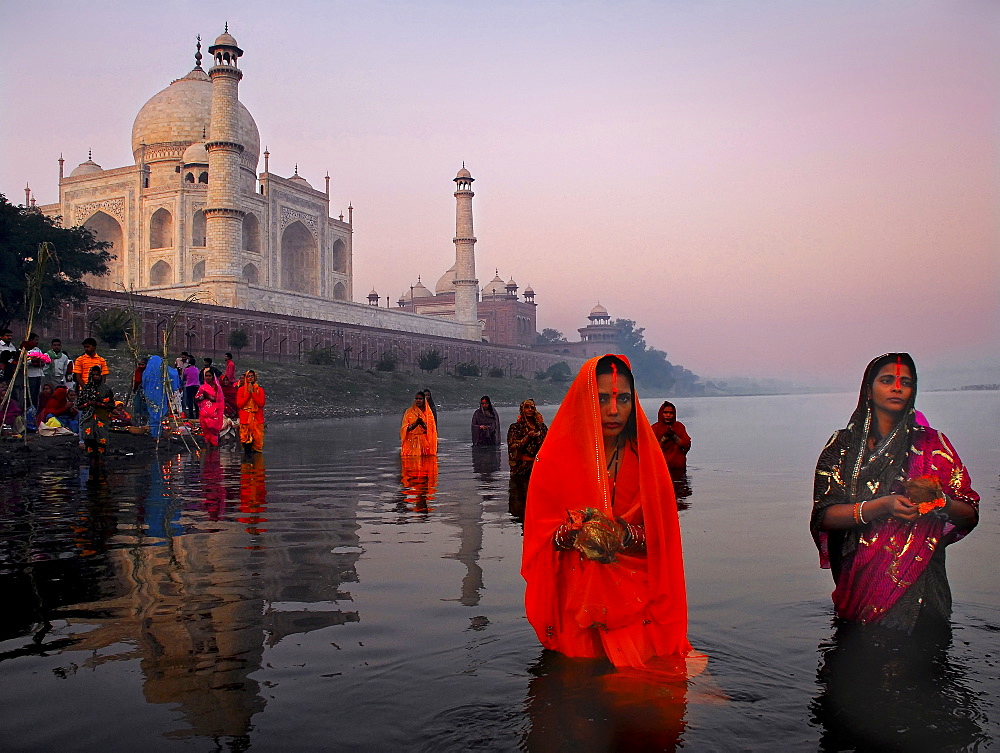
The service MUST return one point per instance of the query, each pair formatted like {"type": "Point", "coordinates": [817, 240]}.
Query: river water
{"type": "Point", "coordinates": [315, 599]}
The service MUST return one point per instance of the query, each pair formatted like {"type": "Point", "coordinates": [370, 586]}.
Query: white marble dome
{"type": "Point", "coordinates": [598, 312]}
{"type": "Point", "coordinates": [196, 154]}
{"type": "Point", "coordinates": [86, 168]}
{"type": "Point", "coordinates": [446, 283]}
{"type": "Point", "coordinates": [497, 287]}
{"type": "Point", "coordinates": [180, 115]}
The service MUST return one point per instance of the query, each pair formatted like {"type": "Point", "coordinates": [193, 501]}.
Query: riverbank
{"type": "Point", "coordinates": [295, 391]}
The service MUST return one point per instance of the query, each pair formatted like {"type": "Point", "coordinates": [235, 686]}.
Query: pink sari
{"type": "Point", "coordinates": [211, 406]}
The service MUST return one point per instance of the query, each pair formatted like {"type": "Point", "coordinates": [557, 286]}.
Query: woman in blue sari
{"type": "Point", "coordinates": [153, 387]}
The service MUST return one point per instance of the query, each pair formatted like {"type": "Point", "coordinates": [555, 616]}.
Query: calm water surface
{"type": "Point", "coordinates": [324, 598]}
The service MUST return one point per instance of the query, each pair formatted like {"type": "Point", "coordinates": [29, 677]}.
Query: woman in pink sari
{"type": "Point", "coordinates": [889, 496]}
{"type": "Point", "coordinates": [211, 404]}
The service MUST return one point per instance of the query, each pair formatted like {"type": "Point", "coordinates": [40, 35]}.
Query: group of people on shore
{"type": "Point", "coordinates": [54, 393]}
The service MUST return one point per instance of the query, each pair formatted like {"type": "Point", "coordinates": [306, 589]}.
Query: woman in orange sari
{"type": "Point", "coordinates": [608, 579]}
{"type": "Point", "coordinates": [250, 399]}
{"type": "Point", "coordinates": [418, 431]}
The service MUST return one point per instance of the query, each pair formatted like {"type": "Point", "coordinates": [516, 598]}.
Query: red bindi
{"type": "Point", "coordinates": [899, 371]}
{"type": "Point", "coordinates": [614, 381]}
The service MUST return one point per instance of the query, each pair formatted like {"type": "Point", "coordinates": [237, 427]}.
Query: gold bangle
{"type": "Point", "coordinates": [861, 513]}
{"type": "Point", "coordinates": [857, 520]}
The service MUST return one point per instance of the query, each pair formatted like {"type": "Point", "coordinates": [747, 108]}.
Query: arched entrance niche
{"type": "Point", "coordinates": [198, 272]}
{"type": "Point", "coordinates": [106, 228]}
{"type": "Point", "coordinates": [198, 229]}
{"type": "Point", "coordinates": [251, 233]}
{"type": "Point", "coordinates": [161, 229]}
{"type": "Point", "coordinates": [339, 256]}
{"type": "Point", "coordinates": [160, 274]}
{"type": "Point", "coordinates": [250, 274]}
{"type": "Point", "coordinates": [340, 292]}
{"type": "Point", "coordinates": [298, 259]}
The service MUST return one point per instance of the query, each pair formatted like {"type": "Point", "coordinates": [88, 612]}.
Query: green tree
{"type": "Point", "coordinates": [650, 366]}
{"type": "Point", "coordinates": [429, 360]}
{"type": "Point", "coordinates": [559, 372]}
{"type": "Point", "coordinates": [238, 339]}
{"type": "Point", "coordinates": [114, 326]}
{"type": "Point", "coordinates": [76, 252]}
{"type": "Point", "coordinates": [548, 336]}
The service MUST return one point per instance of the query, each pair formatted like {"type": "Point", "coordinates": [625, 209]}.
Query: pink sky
{"type": "Point", "coordinates": [775, 189]}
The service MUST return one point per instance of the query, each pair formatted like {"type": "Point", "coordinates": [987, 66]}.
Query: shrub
{"type": "Point", "coordinates": [111, 325]}
{"type": "Point", "coordinates": [429, 360]}
{"type": "Point", "coordinates": [323, 357]}
{"type": "Point", "coordinates": [387, 362]}
{"type": "Point", "coordinates": [467, 368]}
{"type": "Point", "coordinates": [496, 372]}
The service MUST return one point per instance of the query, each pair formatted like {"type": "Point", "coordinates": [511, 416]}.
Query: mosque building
{"type": "Point", "coordinates": [194, 217]}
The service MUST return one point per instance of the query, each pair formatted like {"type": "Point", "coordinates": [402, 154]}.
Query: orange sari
{"type": "Point", "coordinates": [630, 610]}
{"type": "Point", "coordinates": [422, 440]}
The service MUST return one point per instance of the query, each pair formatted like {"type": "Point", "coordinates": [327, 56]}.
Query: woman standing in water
{"type": "Point", "coordinates": [211, 403]}
{"type": "Point", "coordinates": [250, 399]}
{"type": "Point", "coordinates": [889, 496]}
{"type": "Point", "coordinates": [608, 579]}
{"type": "Point", "coordinates": [485, 424]}
{"type": "Point", "coordinates": [672, 436]}
{"type": "Point", "coordinates": [96, 401]}
{"type": "Point", "coordinates": [418, 431]}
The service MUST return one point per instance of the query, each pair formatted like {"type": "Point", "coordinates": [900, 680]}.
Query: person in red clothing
{"type": "Point", "coordinates": [250, 399]}
{"type": "Point", "coordinates": [672, 436]}
{"type": "Point", "coordinates": [602, 543]}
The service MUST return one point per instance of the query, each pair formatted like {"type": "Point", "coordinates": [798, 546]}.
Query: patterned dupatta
{"type": "Point", "coordinates": [873, 566]}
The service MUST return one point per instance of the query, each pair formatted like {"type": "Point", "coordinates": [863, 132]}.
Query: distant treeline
{"type": "Point", "coordinates": [981, 387]}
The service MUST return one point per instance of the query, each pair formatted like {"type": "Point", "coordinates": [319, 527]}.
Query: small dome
{"type": "Point", "coordinates": [445, 284]}
{"type": "Point", "coordinates": [598, 312]}
{"type": "Point", "coordinates": [497, 287]}
{"type": "Point", "coordinates": [463, 173]}
{"type": "Point", "coordinates": [299, 179]}
{"type": "Point", "coordinates": [420, 291]}
{"type": "Point", "coordinates": [529, 291]}
{"type": "Point", "coordinates": [86, 168]}
{"type": "Point", "coordinates": [196, 154]}
{"type": "Point", "coordinates": [225, 39]}
{"type": "Point", "coordinates": [511, 284]}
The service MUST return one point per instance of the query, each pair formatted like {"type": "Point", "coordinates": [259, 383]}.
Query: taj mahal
{"type": "Point", "coordinates": [194, 217]}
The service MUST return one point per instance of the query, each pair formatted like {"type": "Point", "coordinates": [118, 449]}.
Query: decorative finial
{"type": "Point", "coordinates": [197, 55]}
{"type": "Point", "coordinates": [463, 164]}
{"type": "Point", "coordinates": [90, 154]}
{"type": "Point", "coordinates": [227, 27]}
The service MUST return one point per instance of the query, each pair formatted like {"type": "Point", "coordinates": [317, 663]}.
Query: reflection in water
{"type": "Point", "coordinates": [880, 689]}
{"type": "Point", "coordinates": [485, 461]}
{"type": "Point", "coordinates": [517, 491]}
{"type": "Point", "coordinates": [419, 480]}
{"type": "Point", "coordinates": [149, 586]}
{"type": "Point", "coordinates": [583, 705]}
{"type": "Point", "coordinates": [253, 493]}
{"type": "Point", "coordinates": [682, 487]}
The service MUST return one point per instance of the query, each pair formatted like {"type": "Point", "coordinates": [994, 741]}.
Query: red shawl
{"type": "Point", "coordinates": [630, 610]}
